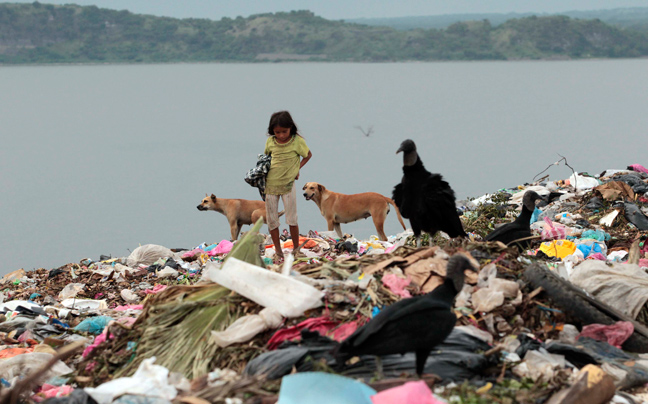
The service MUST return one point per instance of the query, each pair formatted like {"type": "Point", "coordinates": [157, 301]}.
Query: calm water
{"type": "Point", "coordinates": [100, 159]}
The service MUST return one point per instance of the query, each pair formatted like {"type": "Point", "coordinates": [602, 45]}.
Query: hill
{"type": "Point", "coordinates": [634, 18]}
{"type": "Point", "coordinates": [42, 33]}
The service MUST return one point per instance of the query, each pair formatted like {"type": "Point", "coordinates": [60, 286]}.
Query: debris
{"type": "Point", "coordinates": [518, 320]}
{"type": "Point", "coordinates": [592, 386]}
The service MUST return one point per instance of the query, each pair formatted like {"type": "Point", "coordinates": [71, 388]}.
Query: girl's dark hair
{"type": "Point", "coordinates": [283, 119]}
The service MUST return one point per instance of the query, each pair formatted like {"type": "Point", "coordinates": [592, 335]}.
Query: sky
{"type": "Point", "coordinates": [344, 9]}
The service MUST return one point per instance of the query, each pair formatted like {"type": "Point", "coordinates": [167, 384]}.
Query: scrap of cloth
{"type": "Point", "coordinates": [256, 177]}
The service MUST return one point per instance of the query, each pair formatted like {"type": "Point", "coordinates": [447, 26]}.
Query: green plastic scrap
{"type": "Point", "coordinates": [247, 248]}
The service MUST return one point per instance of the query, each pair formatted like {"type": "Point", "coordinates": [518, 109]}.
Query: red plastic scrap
{"type": "Point", "coordinates": [615, 334]}
{"type": "Point", "coordinates": [324, 325]}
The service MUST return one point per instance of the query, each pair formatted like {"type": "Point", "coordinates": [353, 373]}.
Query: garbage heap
{"type": "Point", "coordinates": [564, 321]}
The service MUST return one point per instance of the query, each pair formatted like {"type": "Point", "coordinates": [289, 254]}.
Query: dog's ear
{"type": "Point", "coordinates": [304, 188]}
{"type": "Point", "coordinates": [213, 197]}
{"type": "Point", "coordinates": [321, 187]}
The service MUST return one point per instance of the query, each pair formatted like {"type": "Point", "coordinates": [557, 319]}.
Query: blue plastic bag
{"type": "Point", "coordinates": [94, 325]}
{"type": "Point", "coordinates": [323, 388]}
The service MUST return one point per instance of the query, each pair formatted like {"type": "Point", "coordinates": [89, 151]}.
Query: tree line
{"type": "Point", "coordinates": [45, 33]}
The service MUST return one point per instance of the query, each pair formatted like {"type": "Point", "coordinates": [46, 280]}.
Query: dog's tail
{"type": "Point", "coordinates": [400, 218]}
{"type": "Point", "coordinates": [283, 211]}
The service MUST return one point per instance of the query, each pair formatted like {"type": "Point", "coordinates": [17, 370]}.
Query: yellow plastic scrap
{"type": "Point", "coordinates": [558, 248]}
{"type": "Point", "coordinates": [594, 374]}
{"type": "Point", "coordinates": [484, 389]}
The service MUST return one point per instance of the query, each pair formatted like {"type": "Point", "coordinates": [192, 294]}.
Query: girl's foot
{"type": "Point", "coordinates": [298, 254]}
{"type": "Point", "coordinates": [278, 259]}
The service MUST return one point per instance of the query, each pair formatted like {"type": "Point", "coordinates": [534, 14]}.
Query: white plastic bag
{"type": "Point", "coordinates": [168, 272]}
{"type": "Point", "coordinates": [71, 290]}
{"type": "Point", "coordinates": [147, 255]}
{"type": "Point", "coordinates": [25, 364]}
{"type": "Point", "coordinates": [539, 365]}
{"type": "Point", "coordinates": [149, 380]}
{"type": "Point", "coordinates": [288, 296]}
{"type": "Point", "coordinates": [13, 304]}
{"type": "Point", "coordinates": [508, 288]}
{"type": "Point", "coordinates": [487, 273]}
{"type": "Point", "coordinates": [129, 296]}
{"type": "Point", "coordinates": [485, 300]}
{"type": "Point", "coordinates": [87, 304]}
{"type": "Point", "coordinates": [245, 328]}
{"type": "Point", "coordinates": [583, 183]}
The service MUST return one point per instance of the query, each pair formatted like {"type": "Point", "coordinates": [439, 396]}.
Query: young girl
{"type": "Point", "coordinates": [289, 154]}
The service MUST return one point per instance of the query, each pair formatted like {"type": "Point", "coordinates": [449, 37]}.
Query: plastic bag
{"type": "Point", "coordinates": [553, 230]}
{"type": "Point", "coordinates": [487, 299]}
{"type": "Point", "coordinates": [129, 296]}
{"type": "Point", "coordinates": [408, 393]}
{"type": "Point", "coordinates": [591, 246]}
{"type": "Point", "coordinates": [137, 399]}
{"type": "Point", "coordinates": [458, 358]}
{"type": "Point", "coordinates": [94, 325]}
{"type": "Point", "coordinates": [168, 272]}
{"type": "Point", "coordinates": [558, 248]}
{"type": "Point", "coordinates": [569, 334]}
{"type": "Point", "coordinates": [638, 168]}
{"type": "Point", "coordinates": [28, 363]}
{"type": "Point", "coordinates": [539, 366]}
{"type": "Point", "coordinates": [149, 380]}
{"type": "Point", "coordinates": [50, 391]}
{"type": "Point", "coordinates": [397, 284]}
{"type": "Point", "coordinates": [622, 286]}
{"type": "Point", "coordinates": [245, 328]}
{"type": "Point", "coordinates": [635, 216]}
{"type": "Point", "coordinates": [12, 305]}
{"type": "Point", "coordinates": [486, 275]}
{"type": "Point", "coordinates": [147, 255]}
{"type": "Point", "coordinates": [615, 334]}
{"type": "Point", "coordinates": [599, 235]}
{"type": "Point", "coordinates": [71, 290]}
{"type": "Point", "coordinates": [224, 247]}
{"type": "Point", "coordinates": [88, 304]}
{"type": "Point", "coordinates": [288, 296]}
{"type": "Point", "coordinates": [323, 388]}
{"type": "Point", "coordinates": [510, 289]}
{"type": "Point", "coordinates": [78, 396]}
{"type": "Point", "coordinates": [582, 183]}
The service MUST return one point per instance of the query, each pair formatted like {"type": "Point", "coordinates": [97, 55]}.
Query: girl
{"type": "Point", "coordinates": [289, 154]}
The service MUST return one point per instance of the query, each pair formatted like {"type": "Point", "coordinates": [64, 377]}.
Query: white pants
{"type": "Point", "coordinates": [290, 206]}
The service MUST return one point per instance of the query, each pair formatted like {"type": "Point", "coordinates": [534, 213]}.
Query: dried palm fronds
{"type": "Point", "coordinates": [176, 328]}
{"type": "Point", "coordinates": [247, 248]}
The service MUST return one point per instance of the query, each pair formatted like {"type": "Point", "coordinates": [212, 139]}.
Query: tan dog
{"type": "Point", "coordinates": [237, 211]}
{"type": "Point", "coordinates": [340, 208]}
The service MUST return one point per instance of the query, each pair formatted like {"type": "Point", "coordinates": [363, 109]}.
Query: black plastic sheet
{"type": "Point", "coordinates": [460, 357]}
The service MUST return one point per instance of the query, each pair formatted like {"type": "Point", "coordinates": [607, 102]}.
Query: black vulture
{"type": "Point", "coordinates": [416, 324]}
{"type": "Point", "coordinates": [520, 227]}
{"type": "Point", "coordinates": [425, 198]}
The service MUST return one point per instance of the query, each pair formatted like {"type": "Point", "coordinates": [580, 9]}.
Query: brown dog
{"type": "Point", "coordinates": [237, 211]}
{"type": "Point", "coordinates": [340, 208]}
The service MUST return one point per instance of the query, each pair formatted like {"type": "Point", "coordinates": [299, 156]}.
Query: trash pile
{"type": "Point", "coordinates": [563, 321]}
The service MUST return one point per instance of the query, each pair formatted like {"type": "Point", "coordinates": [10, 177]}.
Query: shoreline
{"type": "Point", "coordinates": [252, 62]}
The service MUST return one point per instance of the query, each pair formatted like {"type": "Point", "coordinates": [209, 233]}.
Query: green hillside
{"type": "Point", "coordinates": [632, 18]}
{"type": "Point", "coordinates": [42, 33]}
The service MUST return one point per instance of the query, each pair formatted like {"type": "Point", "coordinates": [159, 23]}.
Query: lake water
{"type": "Point", "coordinates": [100, 159]}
